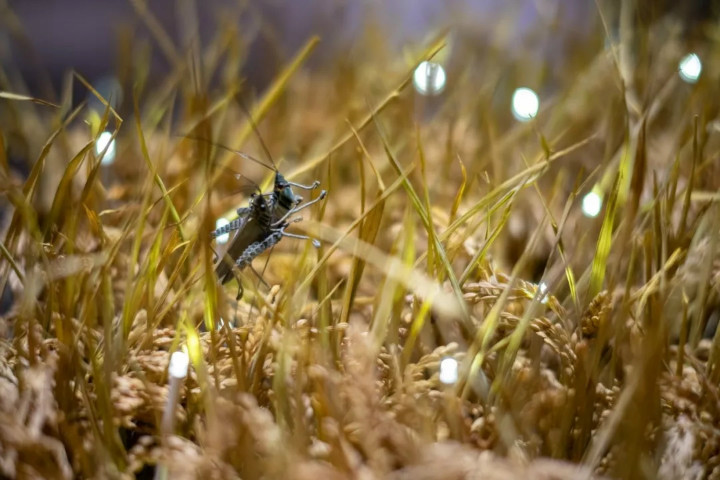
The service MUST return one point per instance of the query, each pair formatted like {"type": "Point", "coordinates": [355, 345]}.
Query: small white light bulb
{"type": "Point", "coordinates": [591, 204]}
{"type": "Point", "coordinates": [543, 289]}
{"type": "Point", "coordinates": [448, 371]}
{"type": "Point", "coordinates": [690, 68]}
{"type": "Point", "coordinates": [179, 362]}
{"type": "Point", "coordinates": [429, 78]}
{"type": "Point", "coordinates": [105, 140]}
{"type": "Point", "coordinates": [525, 104]}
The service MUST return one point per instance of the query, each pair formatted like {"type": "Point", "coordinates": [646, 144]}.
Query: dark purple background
{"type": "Point", "coordinates": [82, 34]}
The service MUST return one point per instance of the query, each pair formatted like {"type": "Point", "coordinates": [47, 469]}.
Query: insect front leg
{"type": "Point", "coordinates": [301, 207]}
{"type": "Point", "coordinates": [314, 185]}
{"type": "Point", "coordinates": [281, 231]}
{"type": "Point", "coordinates": [315, 241]}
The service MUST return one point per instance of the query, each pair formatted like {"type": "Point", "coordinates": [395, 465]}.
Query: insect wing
{"type": "Point", "coordinates": [249, 232]}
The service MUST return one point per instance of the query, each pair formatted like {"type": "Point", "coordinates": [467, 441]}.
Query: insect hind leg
{"type": "Point", "coordinates": [256, 248]}
{"type": "Point", "coordinates": [230, 227]}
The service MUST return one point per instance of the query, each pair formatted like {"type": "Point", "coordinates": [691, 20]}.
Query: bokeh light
{"type": "Point", "coordinates": [221, 222]}
{"type": "Point", "coordinates": [543, 289]}
{"type": "Point", "coordinates": [690, 68]}
{"type": "Point", "coordinates": [105, 140]}
{"type": "Point", "coordinates": [525, 104]}
{"type": "Point", "coordinates": [178, 364]}
{"type": "Point", "coordinates": [448, 371]}
{"type": "Point", "coordinates": [592, 204]}
{"type": "Point", "coordinates": [429, 78]}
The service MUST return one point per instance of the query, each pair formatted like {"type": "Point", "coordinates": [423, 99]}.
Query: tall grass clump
{"type": "Point", "coordinates": [453, 235]}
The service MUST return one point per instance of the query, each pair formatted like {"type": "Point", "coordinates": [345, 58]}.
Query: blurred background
{"type": "Point", "coordinates": [42, 39]}
{"type": "Point", "coordinates": [541, 44]}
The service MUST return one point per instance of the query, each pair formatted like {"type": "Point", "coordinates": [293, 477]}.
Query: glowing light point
{"type": "Point", "coordinates": [525, 104]}
{"type": "Point", "coordinates": [105, 140]}
{"type": "Point", "coordinates": [429, 78]}
{"type": "Point", "coordinates": [448, 371]}
{"type": "Point", "coordinates": [690, 68]}
{"type": "Point", "coordinates": [221, 222]}
{"type": "Point", "coordinates": [179, 362]}
{"type": "Point", "coordinates": [591, 204]}
{"type": "Point", "coordinates": [543, 289]}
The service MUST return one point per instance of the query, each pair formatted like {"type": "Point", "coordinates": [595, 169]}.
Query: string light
{"type": "Point", "coordinates": [448, 371]}
{"type": "Point", "coordinates": [690, 68]}
{"type": "Point", "coordinates": [178, 364]}
{"type": "Point", "coordinates": [543, 288]}
{"type": "Point", "coordinates": [591, 204]}
{"type": "Point", "coordinates": [429, 78]}
{"type": "Point", "coordinates": [525, 104]}
{"type": "Point", "coordinates": [105, 139]}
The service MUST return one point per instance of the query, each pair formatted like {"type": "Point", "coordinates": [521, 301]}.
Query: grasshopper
{"type": "Point", "coordinates": [261, 225]}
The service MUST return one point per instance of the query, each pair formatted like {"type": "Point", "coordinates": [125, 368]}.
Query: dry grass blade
{"type": "Point", "coordinates": [386, 193]}
{"type": "Point", "coordinates": [526, 177]}
{"type": "Point", "coordinates": [412, 279]}
{"type": "Point", "coordinates": [11, 261]}
{"type": "Point", "coordinates": [4, 161]}
{"type": "Point", "coordinates": [432, 263]}
{"type": "Point", "coordinates": [430, 52]}
{"type": "Point", "coordinates": [490, 239]}
{"type": "Point", "coordinates": [31, 182]}
{"type": "Point", "coordinates": [61, 200]}
{"type": "Point", "coordinates": [599, 263]}
{"type": "Point", "coordinates": [430, 229]}
{"type": "Point", "coordinates": [25, 98]}
{"type": "Point", "coordinates": [461, 191]}
{"type": "Point", "coordinates": [153, 172]}
{"type": "Point", "coordinates": [691, 181]}
{"type": "Point", "coordinates": [481, 343]}
{"type": "Point", "coordinates": [702, 300]}
{"type": "Point", "coordinates": [382, 329]}
{"type": "Point", "coordinates": [97, 95]}
{"type": "Point", "coordinates": [368, 230]}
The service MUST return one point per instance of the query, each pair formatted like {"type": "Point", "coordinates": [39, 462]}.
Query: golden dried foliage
{"type": "Point", "coordinates": [585, 347]}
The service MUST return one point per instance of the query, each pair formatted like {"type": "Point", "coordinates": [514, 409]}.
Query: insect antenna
{"type": "Point", "coordinates": [265, 149]}
{"type": "Point", "coordinates": [249, 186]}
{"type": "Point", "coordinates": [231, 150]}
{"type": "Point", "coordinates": [255, 128]}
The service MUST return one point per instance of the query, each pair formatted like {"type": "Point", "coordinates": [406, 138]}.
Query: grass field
{"type": "Point", "coordinates": [452, 234]}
